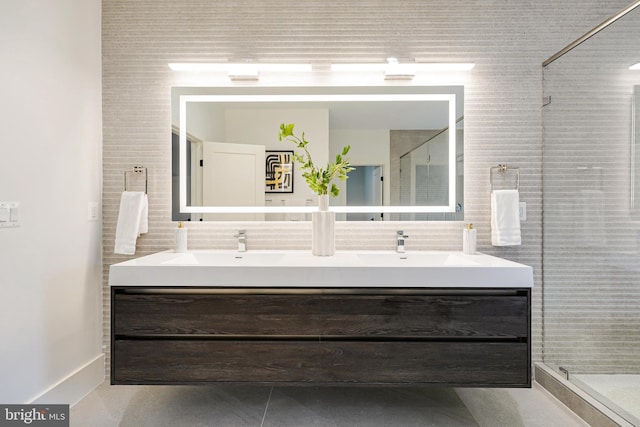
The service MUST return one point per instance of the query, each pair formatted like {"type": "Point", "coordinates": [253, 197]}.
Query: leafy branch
{"type": "Point", "coordinates": [318, 179]}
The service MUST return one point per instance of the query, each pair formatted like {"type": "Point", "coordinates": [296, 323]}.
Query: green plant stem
{"type": "Point", "coordinates": [318, 179]}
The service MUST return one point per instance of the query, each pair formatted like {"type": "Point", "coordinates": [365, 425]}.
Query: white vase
{"type": "Point", "coordinates": [323, 239]}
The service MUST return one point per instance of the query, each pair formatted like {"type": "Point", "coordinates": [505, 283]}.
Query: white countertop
{"type": "Point", "coordinates": [284, 268]}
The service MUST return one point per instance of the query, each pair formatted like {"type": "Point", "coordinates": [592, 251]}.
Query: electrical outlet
{"type": "Point", "coordinates": [523, 211]}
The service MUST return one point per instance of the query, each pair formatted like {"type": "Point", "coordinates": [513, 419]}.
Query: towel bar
{"type": "Point", "coordinates": [502, 170]}
{"type": "Point", "coordinates": [137, 170]}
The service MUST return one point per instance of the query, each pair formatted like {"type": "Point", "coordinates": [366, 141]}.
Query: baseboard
{"type": "Point", "coordinates": [581, 403]}
{"type": "Point", "coordinates": [75, 386]}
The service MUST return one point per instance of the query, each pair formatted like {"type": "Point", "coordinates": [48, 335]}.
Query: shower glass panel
{"type": "Point", "coordinates": [424, 174]}
{"type": "Point", "coordinates": [591, 242]}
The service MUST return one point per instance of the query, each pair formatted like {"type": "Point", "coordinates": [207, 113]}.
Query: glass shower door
{"type": "Point", "coordinates": [591, 240]}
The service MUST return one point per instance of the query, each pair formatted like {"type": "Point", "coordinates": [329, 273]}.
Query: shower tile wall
{"type": "Point", "coordinates": [591, 245]}
{"type": "Point", "coordinates": [507, 40]}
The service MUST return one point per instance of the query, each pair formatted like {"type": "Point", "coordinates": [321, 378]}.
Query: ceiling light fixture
{"type": "Point", "coordinates": [635, 67]}
{"type": "Point", "coordinates": [226, 66]}
{"type": "Point", "coordinates": [397, 71]}
{"type": "Point", "coordinates": [394, 67]}
{"type": "Point", "coordinates": [243, 72]}
{"type": "Point", "coordinates": [246, 71]}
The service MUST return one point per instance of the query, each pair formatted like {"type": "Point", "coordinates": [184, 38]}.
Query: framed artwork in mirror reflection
{"type": "Point", "coordinates": [279, 171]}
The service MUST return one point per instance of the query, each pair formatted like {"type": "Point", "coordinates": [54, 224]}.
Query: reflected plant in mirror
{"type": "Point", "coordinates": [319, 179]}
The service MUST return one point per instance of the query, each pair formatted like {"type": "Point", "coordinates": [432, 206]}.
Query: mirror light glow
{"type": "Point", "coordinates": [184, 99]}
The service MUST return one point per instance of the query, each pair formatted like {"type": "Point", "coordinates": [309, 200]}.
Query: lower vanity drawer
{"type": "Point", "coordinates": [494, 315]}
{"type": "Point", "coordinates": [314, 362]}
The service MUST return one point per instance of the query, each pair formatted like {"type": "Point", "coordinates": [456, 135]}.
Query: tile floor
{"type": "Point", "coordinates": [239, 405]}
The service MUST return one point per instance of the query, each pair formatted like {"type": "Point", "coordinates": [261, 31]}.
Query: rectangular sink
{"type": "Point", "coordinates": [226, 258]}
{"type": "Point", "coordinates": [417, 259]}
{"type": "Point", "coordinates": [301, 269]}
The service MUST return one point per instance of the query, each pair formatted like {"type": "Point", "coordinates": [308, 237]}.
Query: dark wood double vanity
{"type": "Point", "coordinates": [444, 336]}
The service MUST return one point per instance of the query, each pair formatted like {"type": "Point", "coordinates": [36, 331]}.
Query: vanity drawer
{"type": "Point", "coordinates": [203, 361]}
{"type": "Point", "coordinates": [330, 362]}
{"type": "Point", "coordinates": [473, 316]}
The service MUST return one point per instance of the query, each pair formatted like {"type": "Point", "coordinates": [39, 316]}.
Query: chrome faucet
{"type": "Point", "coordinates": [242, 240]}
{"type": "Point", "coordinates": [400, 236]}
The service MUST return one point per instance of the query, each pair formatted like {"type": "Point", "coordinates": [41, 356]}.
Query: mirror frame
{"type": "Point", "coordinates": [377, 97]}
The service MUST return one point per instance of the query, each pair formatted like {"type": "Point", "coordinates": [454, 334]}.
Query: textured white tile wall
{"type": "Point", "coordinates": [591, 246]}
{"type": "Point", "coordinates": [506, 39]}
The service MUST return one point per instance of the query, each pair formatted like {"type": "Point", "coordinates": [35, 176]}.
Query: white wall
{"type": "Point", "coordinates": [51, 142]}
{"type": "Point", "coordinates": [206, 121]}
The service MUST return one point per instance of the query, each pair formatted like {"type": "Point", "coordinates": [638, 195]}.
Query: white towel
{"type": "Point", "coordinates": [132, 221]}
{"type": "Point", "coordinates": [144, 216]}
{"type": "Point", "coordinates": [505, 218]}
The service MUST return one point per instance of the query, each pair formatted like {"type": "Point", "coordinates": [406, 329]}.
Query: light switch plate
{"type": "Point", "coordinates": [523, 211]}
{"type": "Point", "coordinates": [5, 214]}
{"type": "Point", "coordinates": [92, 211]}
{"type": "Point", "coordinates": [9, 214]}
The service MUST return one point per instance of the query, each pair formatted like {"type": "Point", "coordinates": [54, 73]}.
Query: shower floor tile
{"type": "Point", "coordinates": [620, 392]}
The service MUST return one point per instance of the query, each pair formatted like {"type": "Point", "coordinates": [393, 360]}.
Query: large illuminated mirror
{"type": "Point", "coordinates": [406, 145]}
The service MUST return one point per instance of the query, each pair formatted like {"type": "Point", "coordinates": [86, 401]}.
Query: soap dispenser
{"type": "Point", "coordinates": [469, 240]}
{"type": "Point", "coordinates": [181, 238]}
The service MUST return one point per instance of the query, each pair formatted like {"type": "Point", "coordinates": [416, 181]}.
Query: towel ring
{"type": "Point", "coordinates": [502, 170]}
{"type": "Point", "coordinates": [136, 171]}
